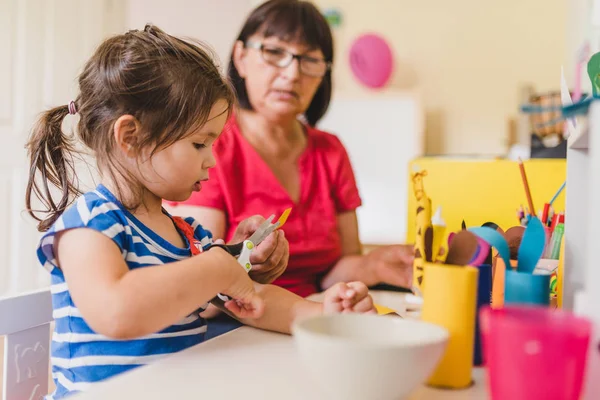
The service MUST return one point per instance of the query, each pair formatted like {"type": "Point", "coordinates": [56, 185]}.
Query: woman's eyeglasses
{"type": "Point", "coordinates": [281, 58]}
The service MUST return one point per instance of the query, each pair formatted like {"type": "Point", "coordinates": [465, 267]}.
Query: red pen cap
{"type": "Point", "coordinates": [554, 221]}
{"type": "Point", "coordinates": [545, 213]}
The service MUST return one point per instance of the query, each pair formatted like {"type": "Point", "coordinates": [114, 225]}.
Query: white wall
{"type": "Point", "coordinates": [469, 57]}
{"type": "Point", "coordinates": [577, 31]}
{"type": "Point", "coordinates": [215, 22]}
{"type": "Point", "coordinates": [382, 134]}
{"type": "Point", "coordinates": [44, 45]}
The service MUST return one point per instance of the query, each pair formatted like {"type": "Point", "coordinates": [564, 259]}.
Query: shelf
{"type": "Point", "coordinates": [582, 230]}
{"type": "Point", "coordinates": [579, 138]}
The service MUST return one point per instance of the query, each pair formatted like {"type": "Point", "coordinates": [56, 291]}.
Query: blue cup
{"type": "Point", "coordinates": [527, 288]}
{"type": "Point", "coordinates": [484, 298]}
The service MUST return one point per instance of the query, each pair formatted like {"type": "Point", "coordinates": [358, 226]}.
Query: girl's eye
{"type": "Point", "coordinates": [199, 146]}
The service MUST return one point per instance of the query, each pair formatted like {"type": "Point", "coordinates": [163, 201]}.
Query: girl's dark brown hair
{"type": "Point", "coordinates": [169, 85]}
{"type": "Point", "coordinates": [289, 20]}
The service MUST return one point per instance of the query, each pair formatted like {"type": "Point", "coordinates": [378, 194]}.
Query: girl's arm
{"type": "Point", "coordinates": [122, 303]}
{"type": "Point", "coordinates": [389, 264]}
{"type": "Point", "coordinates": [283, 307]}
{"type": "Point", "coordinates": [269, 259]}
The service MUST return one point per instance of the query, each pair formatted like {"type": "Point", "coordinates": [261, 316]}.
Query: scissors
{"type": "Point", "coordinates": [243, 250]}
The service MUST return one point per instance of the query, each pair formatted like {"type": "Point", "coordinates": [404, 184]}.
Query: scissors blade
{"type": "Point", "coordinates": [263, 231]}
{"type": "Point", "coordinates": [266, 233]}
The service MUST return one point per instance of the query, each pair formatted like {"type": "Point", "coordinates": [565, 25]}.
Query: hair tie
{"type": "Point", "coordinates": [72, 108]}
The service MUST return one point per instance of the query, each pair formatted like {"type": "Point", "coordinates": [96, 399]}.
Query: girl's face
{"type": "Point", "coordinates": [175, 172]}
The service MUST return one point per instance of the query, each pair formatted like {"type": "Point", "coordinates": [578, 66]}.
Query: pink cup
{"type": "Point", "coordinates": [534, 353]}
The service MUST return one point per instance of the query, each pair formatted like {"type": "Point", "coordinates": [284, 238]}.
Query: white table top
{"type": "Point", "coordinates": [246, 363]}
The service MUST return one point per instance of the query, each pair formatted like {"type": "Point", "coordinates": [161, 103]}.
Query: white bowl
{"type": "Point", "coordinates": [361, 356]}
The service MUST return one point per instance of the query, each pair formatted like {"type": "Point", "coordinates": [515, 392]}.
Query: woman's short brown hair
{"type": "Point", "coordinates": [289, 20]}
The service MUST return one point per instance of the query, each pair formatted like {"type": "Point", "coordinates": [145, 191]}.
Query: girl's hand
{"type": "Point", "coordinates": [245, 303]}
{"type": "Point", "coordinates": [247, 308]}
{"type": "Point", "coordinates": [352, 297]}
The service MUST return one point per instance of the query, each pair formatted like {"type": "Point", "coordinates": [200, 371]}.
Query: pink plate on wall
{"type": "Point", "coordinates": [371, 60]}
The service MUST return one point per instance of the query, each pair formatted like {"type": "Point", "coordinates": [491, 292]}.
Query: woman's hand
{"type": "Point", "coordinates": [392, 265]}
{"type": "Point", "coordinates": [269, 259]}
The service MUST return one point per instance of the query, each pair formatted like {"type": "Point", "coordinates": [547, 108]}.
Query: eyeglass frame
{"type": "Point", "coordinates": [260, 46]}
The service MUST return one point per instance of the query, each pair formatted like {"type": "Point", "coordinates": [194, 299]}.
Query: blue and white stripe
{"type": "Point", "coordinates": [80, 356]}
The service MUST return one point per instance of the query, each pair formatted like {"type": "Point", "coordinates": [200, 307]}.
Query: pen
{"type": "Point", "coordinates": [558, 192]}
{"type": "Point", "coordinates": [558, 234]}
{"type": "Point", "coordinates": [526, 186]}
{"type": "Point", "coordinates": [545, 213]}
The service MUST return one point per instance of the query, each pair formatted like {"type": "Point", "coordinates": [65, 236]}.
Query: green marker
{"type": "Point", "coordinates": [593, 69]}
{"type": "Point", "coordinates": [559, 231]}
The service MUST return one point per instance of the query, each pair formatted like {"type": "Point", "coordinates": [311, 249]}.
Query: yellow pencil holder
{"type": "Point", "coordinates": [450, 300]}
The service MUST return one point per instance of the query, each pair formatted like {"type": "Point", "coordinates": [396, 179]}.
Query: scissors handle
{"type": "Point", "coordinates": [242, 251]}
{"type": "Point", "coordinates": [233, 249]}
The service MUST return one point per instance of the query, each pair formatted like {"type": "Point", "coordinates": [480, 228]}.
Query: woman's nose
{"type": "Point", "coordinates": [292, 71]}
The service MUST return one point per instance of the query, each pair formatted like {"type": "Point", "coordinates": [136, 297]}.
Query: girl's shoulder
{"type": "Point", "coordinates": [91, 210]}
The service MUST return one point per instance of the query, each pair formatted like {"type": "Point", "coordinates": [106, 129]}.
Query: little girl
{"type": "Point", "coordinates": [125, 287]}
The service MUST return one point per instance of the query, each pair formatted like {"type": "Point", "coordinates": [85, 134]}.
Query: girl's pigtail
{"type": "Point", "coordinates": [50, 153]}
